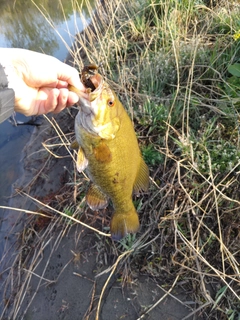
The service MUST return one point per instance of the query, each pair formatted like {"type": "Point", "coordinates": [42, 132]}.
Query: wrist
{"type": "Point", "coordinates": [7, 96]}
{"type": "Point", "coordinates": [9, 73]}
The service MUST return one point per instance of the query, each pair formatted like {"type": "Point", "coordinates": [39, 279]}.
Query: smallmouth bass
{"type": "Point", "coordinates": [109, 150]}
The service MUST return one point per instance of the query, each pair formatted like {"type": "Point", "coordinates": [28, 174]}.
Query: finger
{"type": "Point", "coordinates": [48, 101]}
{"type": "Point", "coordinates": [62, 100]}
{"type": "Point", "coordinates": [70, 75]}
{"type": "Point", "coordinates": [54, 100]}
{"type": "Point", "coordinates": [62, 84]}
{"type": "Point", "coordinates": [72, 99]}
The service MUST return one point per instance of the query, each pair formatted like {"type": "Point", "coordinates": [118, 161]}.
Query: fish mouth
{"type": "Point", "coordinates": [85, 104]}
{"type": "Point", "coordinates": [88, 107]}
{"type": "Point", "coordinates": [97, 81]}
{"type": "Point", "coordinates": [94, 114]}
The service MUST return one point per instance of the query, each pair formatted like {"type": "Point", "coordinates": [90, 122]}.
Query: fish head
{"type": "Point", "coordinates": [100, 112]}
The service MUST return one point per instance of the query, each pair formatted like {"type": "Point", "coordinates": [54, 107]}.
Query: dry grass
{"type": "Point", "coordinates": [168, 63]}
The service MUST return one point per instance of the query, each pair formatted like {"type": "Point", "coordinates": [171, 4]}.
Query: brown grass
{"type": "Point", "coordinates": [191, 216]}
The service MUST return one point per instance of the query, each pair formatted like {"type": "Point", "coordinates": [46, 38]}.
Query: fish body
{"type": "Point", "coordinates": [108, 149]}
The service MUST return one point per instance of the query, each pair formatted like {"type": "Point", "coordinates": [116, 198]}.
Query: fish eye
{"type": "Point", "coordinates": [110, 103]}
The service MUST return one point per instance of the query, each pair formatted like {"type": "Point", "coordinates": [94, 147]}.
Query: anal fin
{"type": "Point", "coordinates": [96, 199]}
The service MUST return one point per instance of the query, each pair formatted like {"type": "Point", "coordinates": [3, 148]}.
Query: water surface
{"type": "Point", "coordinates": [43, 26]}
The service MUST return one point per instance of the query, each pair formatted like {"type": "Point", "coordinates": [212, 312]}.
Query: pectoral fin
{"type": "Point", "coordinates": [96, 199]}
{"type": "Point", "coordinates": [74, 145]}
{"type": "Point", "coordinates": [82, 161]}
{"type": "Point", "coordinates": [142, 180]}
{"type": "Point", "coordinates": [102, 152]}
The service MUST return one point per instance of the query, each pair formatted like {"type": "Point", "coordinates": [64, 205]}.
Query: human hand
{"type": "Point", "coordinates": [40, 81]}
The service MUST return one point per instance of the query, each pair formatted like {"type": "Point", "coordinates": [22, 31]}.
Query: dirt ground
{"type": "Point", "coordinates": [75, 290]}
{"type": "Point", "coordinates": [60, 279]}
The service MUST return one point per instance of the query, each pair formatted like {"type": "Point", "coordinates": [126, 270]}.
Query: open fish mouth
{"type": "Point", "coordinates": [90, 108]}
{"type": "Point", "coordinates": [96, 115]}
{"type": "Point", "coordinates": [86, 104]}
{"type": "Point", "coordinates": [98, 97]}
{"type": "Point", "coordinates": [98, 83]}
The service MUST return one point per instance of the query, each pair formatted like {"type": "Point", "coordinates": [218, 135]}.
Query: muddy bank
{"type": "Point", "coordinates": [57, 269]}
{"type": "Point", "coordinates": [52, 265]}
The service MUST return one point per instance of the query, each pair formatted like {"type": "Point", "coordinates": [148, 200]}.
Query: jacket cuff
{"type": "Point", "coordinates": [7, 96]}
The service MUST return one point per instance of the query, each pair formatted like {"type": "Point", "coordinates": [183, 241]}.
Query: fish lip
{"type": "Point", "coordinates": [85, 105]}
{"type": "Point", "coordinates": [99, 82]}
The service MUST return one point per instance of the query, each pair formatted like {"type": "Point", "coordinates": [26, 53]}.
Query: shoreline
{"type": "Point", "coordinates": [62, 282]}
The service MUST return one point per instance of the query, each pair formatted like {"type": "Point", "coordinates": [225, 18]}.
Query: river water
{"type": "Point", "coordinates": [44, 26]}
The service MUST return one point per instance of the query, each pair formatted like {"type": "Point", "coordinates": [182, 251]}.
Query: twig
{"type": "Point", "coordinates": [64, 215]}
{"type": "Point", "coordinates": [161, 299]}
{"type": "Point", "coordinates": [108, 279]}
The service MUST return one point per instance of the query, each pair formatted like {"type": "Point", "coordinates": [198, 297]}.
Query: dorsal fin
{"type": "Point", "coordinates": [142, 180]}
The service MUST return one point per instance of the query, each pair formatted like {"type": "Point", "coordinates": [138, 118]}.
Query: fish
{"type": "Point", "coordinates": [108, 149]}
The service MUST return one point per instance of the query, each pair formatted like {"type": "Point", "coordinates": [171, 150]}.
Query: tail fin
{"type": "Point", "coordinates": [123, 223]}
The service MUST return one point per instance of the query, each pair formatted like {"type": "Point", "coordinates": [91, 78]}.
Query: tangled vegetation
{"type": "Point", "coordinates": [176, 67]}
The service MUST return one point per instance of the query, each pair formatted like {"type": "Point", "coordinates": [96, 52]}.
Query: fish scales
{"type": "Point", "coordinates": [116, 178]}
{"type": "Point", "coordinates": [111, 156]}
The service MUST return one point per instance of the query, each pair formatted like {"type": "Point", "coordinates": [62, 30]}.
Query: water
{"type": "Point", "coordinates": [48, 27]}
{"type": "Point", "coordinates": [50, 31]}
